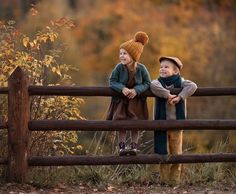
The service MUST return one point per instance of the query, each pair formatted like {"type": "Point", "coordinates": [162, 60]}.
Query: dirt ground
{"type": "Point", "coordinates": [124, 189]}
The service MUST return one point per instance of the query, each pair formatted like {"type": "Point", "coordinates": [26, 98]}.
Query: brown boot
{"type": "Point", "coordinates": [164, 174]}
{"type": "Point", "coordinates": [175, 172]}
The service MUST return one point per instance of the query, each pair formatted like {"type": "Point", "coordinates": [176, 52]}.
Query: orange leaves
{"type": "Point", "coordinates": [63, 22]}
{"type": "Point", "coordinates": [34, 11]}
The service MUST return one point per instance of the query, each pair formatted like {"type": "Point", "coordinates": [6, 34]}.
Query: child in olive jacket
{"type": "Point", "coordinates": [130, 78]}
{"type": "Point", "coordinates": [170, 107]}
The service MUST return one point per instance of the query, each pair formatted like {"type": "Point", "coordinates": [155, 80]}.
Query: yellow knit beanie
{"type": "Point", "coordinates": [135, 46]}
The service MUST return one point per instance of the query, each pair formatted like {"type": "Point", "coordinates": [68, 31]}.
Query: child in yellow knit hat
{"type": "Point", "coordinates": [130, 78]}
{"type": "Point", "coordinates": [170, 107]}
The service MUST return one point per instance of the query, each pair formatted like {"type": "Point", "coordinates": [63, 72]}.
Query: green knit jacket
{"type": "Point", "coordinates": [119, 78]}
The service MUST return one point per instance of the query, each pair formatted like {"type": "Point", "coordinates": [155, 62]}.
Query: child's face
{"type": "Point", "coordinates": [168, 69]}
{"type": "Point", "coordinates": [124, 56]}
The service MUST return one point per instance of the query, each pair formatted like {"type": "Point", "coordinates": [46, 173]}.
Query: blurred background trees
{"type": "Point", "coordinates": [201, 33]}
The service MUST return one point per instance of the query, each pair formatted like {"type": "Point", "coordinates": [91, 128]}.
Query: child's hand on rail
{"type": "Point", "coordinates": [170, 97]}
{"type": "Point", "coordinates": [132, 94]}
{"type": "Point", "coordinates": [126, 91]}
{"type": "Point", "coordinates": [175, 100]}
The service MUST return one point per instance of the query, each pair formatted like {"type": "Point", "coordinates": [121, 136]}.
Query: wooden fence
{"type": "Point", "coordinates": [19, 125]}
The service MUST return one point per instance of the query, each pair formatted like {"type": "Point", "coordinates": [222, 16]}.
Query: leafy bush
{"type": "Point", "coordinates": [37, 55]}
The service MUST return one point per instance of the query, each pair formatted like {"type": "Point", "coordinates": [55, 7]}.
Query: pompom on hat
{"type": "Point", "coordinates": [174, 60]}
{"type": "Point", "coordinates": [135, 46]}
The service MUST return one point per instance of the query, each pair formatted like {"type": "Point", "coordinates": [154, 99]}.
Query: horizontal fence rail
{"type": "Point", "coordinates": [139, 159]}
{"type": "Point", "coordinates": [106, 91]}
{"type": "Point", "coordinates": [69, 125]}
{"type": "Point", "coordinates": [115, 160]}
{"type": "Point", "coordinates": [3, 125]}
{"type": "Point", "coordinates": [3, 90]}
{"type": "Point", "coordinates": [3, 161]}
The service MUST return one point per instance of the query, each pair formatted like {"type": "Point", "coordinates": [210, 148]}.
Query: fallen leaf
{"type": "Point", "coordinates": [110, 188]}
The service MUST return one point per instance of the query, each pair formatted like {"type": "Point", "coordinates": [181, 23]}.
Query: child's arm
{"type": "Point", "coordinates": [159, 90]}
{"type": "Point", "coordinates": [114, 80]}
{"type": "Point", "coordinates": [189, 88]}
{"type": "Point", "coordinates": [146, 80]}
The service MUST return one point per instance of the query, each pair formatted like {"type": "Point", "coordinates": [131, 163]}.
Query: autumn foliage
{"type": "Point", "coordinates": [39, 61]}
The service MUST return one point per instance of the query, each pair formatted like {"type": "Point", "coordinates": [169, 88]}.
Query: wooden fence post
{"type": "Point", "coordinates": [18, 118]}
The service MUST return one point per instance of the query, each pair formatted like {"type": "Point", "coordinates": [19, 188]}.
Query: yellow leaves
{"type": "Point", "coordinates": [11, 22]}
{"type": "Point", "coordinates": [2, 78]}
{"type": "Point", "coordinates": [25, 41]}
{"type": "Point", "coordinates": [40, 38]}
{"type": "Point", "coordinates": [10, 60]}
{"type": "Point", "coordinates": [7, 69]}
{"type": "Point", "coordinates": [52, 37]}
{"type": "Point", "coordinates": [48, 60]}
{"type": "Point", "coordinates": [79, 147]}
{"type": "Point", "coordinates": [57, 71]}
{"type": "Point", "coordinates": [8, 51]}
{"type": "Point", "coordinates": [54, 69]}
{"type": "Point", "coordinates": [42, 68]}
{"type": "Point", "coordinates": [32, 44]}
{"type": "Point", "coordinates": [67, 142]}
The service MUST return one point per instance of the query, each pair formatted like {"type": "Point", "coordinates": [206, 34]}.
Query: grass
{"type": "Point", "coordinates": [131, 174]}
{"type": "Point", "coordinates": [211, 172]}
